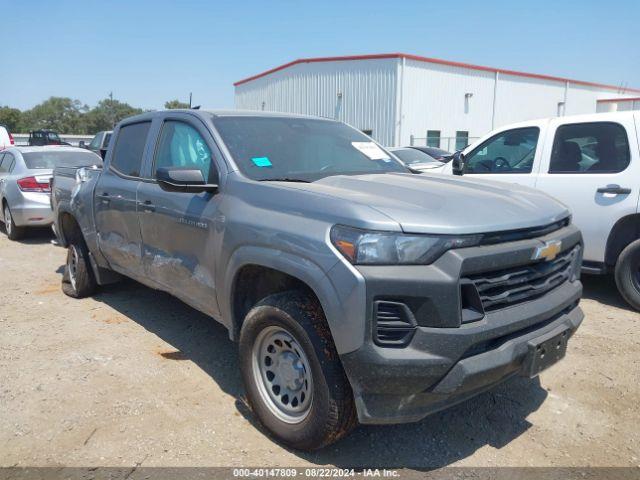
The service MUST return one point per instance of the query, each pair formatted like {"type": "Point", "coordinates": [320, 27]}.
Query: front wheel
{"type": "Point", "coordinates": [78, 280]}
{"type": "Point", "coordinates": [293, 377]}
{"type": "Point", "coordinates": [627, 274]}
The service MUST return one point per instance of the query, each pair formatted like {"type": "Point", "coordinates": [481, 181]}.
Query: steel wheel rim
{"type": "Point", "coordinates": [7, 220]}
{"type": "Point", "coordinates": [282, 373]}
{"type": "Point", "coordinates": [73, 265]}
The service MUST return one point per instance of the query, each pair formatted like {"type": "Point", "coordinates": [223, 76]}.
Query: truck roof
{"type": "Point", "coordinates": [220, 113]}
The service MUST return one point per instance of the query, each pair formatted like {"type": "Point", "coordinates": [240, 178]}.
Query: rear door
{"type": "Point", "coordinates": [116, 196]}
{"type": "Point", "coordinates": [510, 155]}
{"type": "Point", "coordinates": [593, 167]}
{"type": "Point", "coordinates": [178, 231]}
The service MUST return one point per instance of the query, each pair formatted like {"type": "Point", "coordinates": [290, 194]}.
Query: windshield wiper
{"type": "Point", "coordinates": [284, 179]}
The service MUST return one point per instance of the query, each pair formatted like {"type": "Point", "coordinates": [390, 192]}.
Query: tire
{"type": "Point", "coordinates": [306, 366]}
{"type": "Point", "coordinates": [13, 231]}
{"type": "Point", "coordinates": [627, 274]}
{"type": "Point", "coordinates": [78, 280]}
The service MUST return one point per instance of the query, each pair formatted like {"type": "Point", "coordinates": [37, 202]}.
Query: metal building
{"type": "Point", "coordinates": [399, 98]}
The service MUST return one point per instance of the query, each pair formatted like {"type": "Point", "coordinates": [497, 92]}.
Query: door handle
{"type": "Point", "coordinates": [615, 190]}
{"type": "Point", "coordinates": [104, 197]}
{"type": "Point", "coordinates": [147, 206]}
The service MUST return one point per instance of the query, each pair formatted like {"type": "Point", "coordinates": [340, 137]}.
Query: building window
{"type": "Point", "coordinates": [433, 138]}
{"type": "Point", "coordinates": [462, 139]}
{"type": "Point", "coordinates": [368, 132]}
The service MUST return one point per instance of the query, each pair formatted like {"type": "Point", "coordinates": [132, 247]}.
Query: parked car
{"type": "Point", "coordinates": [357, 290]}
{"type": "Point", "coordinates": [45, 137]}
{"type": "Point", "coordinates": [589, 162]}
{"type": "Point", "coordinates": [99, 143]}
{"type": "Point", "coordinates": [6, 139]}
{"type": "Point", "coordinates": [416, 159]}
{"type": "Point", "coordinates": [24, 183]}
{"type": "Point", "coordinates": [434, 152]}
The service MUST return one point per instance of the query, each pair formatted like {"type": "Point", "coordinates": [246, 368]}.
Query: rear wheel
{"type": "Point", "coordinates": [13, 231]}
{"type": "Point", "coordinates": [293, 377]}
{"type": "Point", "coordinates": [78, 280]}
{"type": "Point", "coordinates": [627, 274]}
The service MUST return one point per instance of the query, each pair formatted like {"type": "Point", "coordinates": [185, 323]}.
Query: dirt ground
{"type": "Point", "coordinates": [135, 377]}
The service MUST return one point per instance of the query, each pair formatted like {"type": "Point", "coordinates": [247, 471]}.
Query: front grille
{"type": "Point", "coordinates": [524, 233]}
{"type": "Point", "coordinates": [507, 287]}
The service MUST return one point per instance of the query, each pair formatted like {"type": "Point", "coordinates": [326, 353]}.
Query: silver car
{"type": "Point", "coordinates": [416, 159]}
{"type": "Point", "coordinates": [24, 183]}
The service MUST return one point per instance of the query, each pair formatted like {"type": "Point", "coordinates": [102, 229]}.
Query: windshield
{"type": "Point", "coordinates": [275, 148]}
{"type": "Point", "coordinates": [411, 156]}
{"type": "Point", "coordinates": [53, 136]}
{"type": "Point", "coordinates": [50, 160]}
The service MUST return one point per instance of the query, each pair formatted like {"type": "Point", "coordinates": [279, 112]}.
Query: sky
{"type": "Point", "coordinates": [148, 52]}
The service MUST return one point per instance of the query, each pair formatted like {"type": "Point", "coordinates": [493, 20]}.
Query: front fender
{"type": "Point", "coordinates": [347, 333]}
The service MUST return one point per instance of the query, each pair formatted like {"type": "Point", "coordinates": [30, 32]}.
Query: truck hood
{"type": "Point", "coordinates": [444, 204]}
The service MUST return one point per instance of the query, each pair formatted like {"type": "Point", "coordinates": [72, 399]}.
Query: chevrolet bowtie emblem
{"type": "Point", "coordinates": [548, 251]}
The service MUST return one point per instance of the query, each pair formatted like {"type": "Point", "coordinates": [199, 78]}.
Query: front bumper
{"type": "Point", "coordinates": [445, 363]}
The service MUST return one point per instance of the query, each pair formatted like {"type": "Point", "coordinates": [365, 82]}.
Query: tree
{"type": "Point", "coordinates": [11, 118]}
{"type": "Point", "coordinates": [61, 114]}
{"type": "Point", "coordinates": [173, 104]}
{"type": "Point", "coordinates": [106, 114]}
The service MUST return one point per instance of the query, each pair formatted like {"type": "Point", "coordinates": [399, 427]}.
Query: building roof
{"type": "Point", "coordinates": [621, 99]}
{"type": "Point", "coordinates": [438, 62]}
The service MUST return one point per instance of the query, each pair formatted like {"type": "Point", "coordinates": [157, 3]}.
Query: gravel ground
{"type": "Point", "coordinates": [135, 377]}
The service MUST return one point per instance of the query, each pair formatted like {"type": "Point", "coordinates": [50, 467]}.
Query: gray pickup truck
{"type": "Point", "coordinates": [358, 290]}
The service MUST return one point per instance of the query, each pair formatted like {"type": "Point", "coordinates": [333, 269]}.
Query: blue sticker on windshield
{"type": "Point", "coordinates": [261, 161]}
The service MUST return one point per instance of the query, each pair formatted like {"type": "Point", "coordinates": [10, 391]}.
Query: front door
{"type": "Point", "coordinates": [116, 205]}
{"type": "Point", "coordinates": [179, 238]}
{"type": "Point", "coordinates": [593, 168]}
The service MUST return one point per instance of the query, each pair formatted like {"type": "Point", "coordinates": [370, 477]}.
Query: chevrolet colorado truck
{"type": "Point", "coordinates": [358, 290]}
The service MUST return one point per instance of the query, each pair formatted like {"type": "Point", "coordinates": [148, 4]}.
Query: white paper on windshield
{"type": "Point", "coordinates": [371, 150]}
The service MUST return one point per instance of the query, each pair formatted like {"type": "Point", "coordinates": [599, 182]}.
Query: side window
{"type": "Point", "coordinates": [512, 151]}
{"type": "Point", "coordinates": [181, 145]}
{"type": "Point", "coordinates": [127, 155]}
{"type": "Point", "coordinates": [95, 143]}
{"type": "Point", "coordinates": [9, 162]}
{"type": "Point", "coordinates": [6, 163]}
{"type": "Point", "coordinates": [598, 147]}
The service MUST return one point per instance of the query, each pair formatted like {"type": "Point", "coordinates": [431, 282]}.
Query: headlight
{"type": "Point", "coordinates": [367, 247]}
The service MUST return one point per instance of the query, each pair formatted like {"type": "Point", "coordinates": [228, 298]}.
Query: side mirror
{"type": "Point", "coordinates": [457, 163]}
{"type": "Point", "coordinates": [81, 144]}
{"type": "Point", "coordinates": [183, 180]}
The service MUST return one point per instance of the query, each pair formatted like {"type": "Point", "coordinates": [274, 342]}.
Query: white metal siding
{"type": "Point", "coordinates": [434, 99]}
{"type": "Point", "coordinates": [368, 90]}
{"type": "Point", "coordinates": [619, 106]}
{"type": "Point", "coordinates": [400, 98]}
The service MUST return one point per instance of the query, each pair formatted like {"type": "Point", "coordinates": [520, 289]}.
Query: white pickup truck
{"type": "Point", "coordinates": [589, 162]}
